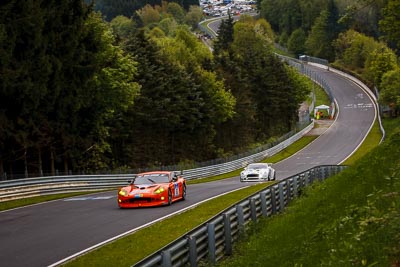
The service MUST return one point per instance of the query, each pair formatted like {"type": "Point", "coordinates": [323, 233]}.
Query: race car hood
{"type": "Point", "coordinates": [141, 188]}
{"type": "Point", "coordinates": [251, 171]}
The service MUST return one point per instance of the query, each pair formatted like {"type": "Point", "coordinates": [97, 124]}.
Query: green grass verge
{"type": "Point", "coordinates": [352, 219]}
{"type": "Point", "coordinates": [131, 249]}
{"type": "Point", "coordinates": [371, 141]}
{"type": "Point", "coordinates": [321, 97]}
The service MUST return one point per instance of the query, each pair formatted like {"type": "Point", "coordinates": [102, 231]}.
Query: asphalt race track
{"type": "Point", "coordinates": [45, 234]}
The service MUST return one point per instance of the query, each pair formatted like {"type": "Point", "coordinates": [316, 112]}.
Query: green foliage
{"type": "Point", "coordinates": [122, 26]}
{"type": "Point", "coordinates": [353, 49]}
{"type": "Point", "coordinates": [176, 11]}
{"type": "Point", "coordinates": [194, 16]}
{"type": "Point", "coordinates": [225, 35]}
{"type": "Point", "coordinates": [362, 15]}
{"type": "Point", "coordinates": [323, 32]}
{"type": "Point", "coordinates": [390, 89]}
{"type": "Point", "coordinates": [286, 16]}
{"type": "Point", "coordinates": [168, 25]}
{"type": "Point", "coordinates": [390, 23]}
{"type": "Point", "coordinates": [370, 58]}
{"type": "Point", "coordinates": [381, 60]}
{"type": "Point", "coordinates": [113, 8]}
{"type": "Point", "coordinates": [65, 80]}
{"type": "Point", "coordinates": [179, 104]}
{"type": "Point", "coordinates": [149, 15]}
{"type": "Point", "coordinates": [296, 42]}
{"type": "Point", "coordinates": [267, 93]}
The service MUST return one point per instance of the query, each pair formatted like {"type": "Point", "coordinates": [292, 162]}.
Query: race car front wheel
{"type": "Point", "coordinates": [169, 197]}
{"type": "Point", "coordinates": [184, 192]}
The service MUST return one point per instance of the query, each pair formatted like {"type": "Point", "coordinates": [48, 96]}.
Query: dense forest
{"type": "Point", "coordinates": [82, 94]}
{"type": "Point", "coordinates": [109, 85]}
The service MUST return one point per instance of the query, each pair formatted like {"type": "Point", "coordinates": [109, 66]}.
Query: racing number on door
{"type": "Point", "coordinates": [176, 189]}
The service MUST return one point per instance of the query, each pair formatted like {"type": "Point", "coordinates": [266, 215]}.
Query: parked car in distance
{"type": "Point", "coordinates": [149, 189]}
{"type": "Point", "coordinates": [256, 172]}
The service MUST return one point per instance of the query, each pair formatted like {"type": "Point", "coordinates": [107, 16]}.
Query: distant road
{"type": "Point", "coordinates": [44, 234]}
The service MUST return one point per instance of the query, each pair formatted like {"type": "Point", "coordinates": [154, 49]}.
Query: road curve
{"type": "Point", "coordinates": [41, 235]}
{"type": "Point", "coordinates": [356, 115]}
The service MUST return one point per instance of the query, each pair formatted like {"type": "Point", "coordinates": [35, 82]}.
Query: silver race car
{"type": "Point", "coordinates": [256, 172]}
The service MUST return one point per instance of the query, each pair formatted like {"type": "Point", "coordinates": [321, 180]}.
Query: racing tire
{"type": "Point", "coordinates": [184, 192]}
{"type": "Point", "coordinates": [273, 178]}
{"type": "Point", "coordinates": [169, 197]}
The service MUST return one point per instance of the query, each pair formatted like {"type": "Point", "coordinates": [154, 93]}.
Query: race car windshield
{"type": "Point", "coordinates": [152, 179]}
{"type": "Point", "coordinates": [257, 166]}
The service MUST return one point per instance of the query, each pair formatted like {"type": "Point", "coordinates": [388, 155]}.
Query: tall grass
{"type": "Point", "coordinates": [352, 219]}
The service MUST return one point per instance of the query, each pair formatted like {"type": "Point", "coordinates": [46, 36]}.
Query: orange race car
{"type": "Point", "coordinates": [152, 189]}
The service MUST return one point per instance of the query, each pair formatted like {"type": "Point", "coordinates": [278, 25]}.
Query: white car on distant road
{"type": "Point", "coordinates": [256, 172]}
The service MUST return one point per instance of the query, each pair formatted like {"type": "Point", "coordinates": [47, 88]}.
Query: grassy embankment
{"type": "Point", "coordinates": [352, 219]}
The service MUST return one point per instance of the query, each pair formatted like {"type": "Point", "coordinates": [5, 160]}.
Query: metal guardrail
{"type": "Point", "coordinates": [213, 240]}
{"type": "Point", "coordinates": [242, 162]}
{"type": "Point", "coordinates": [29, 187]}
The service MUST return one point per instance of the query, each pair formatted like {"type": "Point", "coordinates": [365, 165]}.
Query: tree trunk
{"type": "Point", "coordinates": [26, 164]}
{"type": "Point", "coordinates": [52, 168]}
{"type": "Point", "coordinates": [65, 165]}
{"type": "Point", "coordinates": [1, 169]}
{"type": "Point", "coordinates": [40, 162]}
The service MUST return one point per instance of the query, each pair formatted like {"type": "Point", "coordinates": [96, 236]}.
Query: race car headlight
{"type": "Point", "coordinates": [123, 193]}
{"type": "Point", "coordinates": [159, 190]}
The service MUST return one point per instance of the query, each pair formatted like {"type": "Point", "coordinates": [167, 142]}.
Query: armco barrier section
{"type": "Point", "coordinates": [29, 187]}
{"type": "Point", "coordinates": [242, 162]}
{"type": "Point", "coordinates": [211, 241]}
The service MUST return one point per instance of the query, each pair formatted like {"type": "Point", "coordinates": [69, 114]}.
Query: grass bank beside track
{"type": "Point", "coordinates": [352, 219]}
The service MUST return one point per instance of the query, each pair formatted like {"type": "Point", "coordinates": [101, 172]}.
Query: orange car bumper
{"type": "Point", "coordinates": [144, 201]}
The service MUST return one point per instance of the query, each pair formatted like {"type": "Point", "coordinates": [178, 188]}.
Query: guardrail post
{"type": "Point", "coordinates": [228, 234]}
{"type": "Point", "coordinates": [273, 200]}
{"type": "Point", "coordinates": [281, 196]}
{"type": "Point", "coordinates": [263, 199]}
{"type": "Point", "coordinates": [211, 242]}
{"type": "Point", "coordinates": [289, 190]}
{"type": "Point", "coordinates": [312, 176]}
{"type": "Point", "coordinates": [324, 173]}
{"type": "Point", "coordinates": [306, 178]}
{"type": "Point", "coordinates": [253, 210]}
{"type": "Point", "coordinates": [240, 214]}
{"type": "Point", "coordinates": [295, 184]}
{"type": "Point", "coordinates": [166, 258]}
{"type": "Point", "coordinates": [192, 251]}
